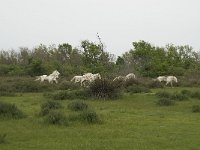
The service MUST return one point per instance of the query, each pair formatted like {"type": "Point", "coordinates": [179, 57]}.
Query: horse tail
{"type": "Point", "coordinates": [72, 79]}
{"type": "Point", "coordinates": [37, 78]}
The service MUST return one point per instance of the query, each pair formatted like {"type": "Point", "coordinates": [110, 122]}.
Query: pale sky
{"type": "Point", "coordinates": [28, 23]}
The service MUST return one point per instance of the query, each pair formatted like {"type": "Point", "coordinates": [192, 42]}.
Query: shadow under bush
{"type": "Point", "coordinates": [10, 111]}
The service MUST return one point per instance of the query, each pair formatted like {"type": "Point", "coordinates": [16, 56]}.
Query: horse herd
{"type": "Point", "coordinates": [90, 77]}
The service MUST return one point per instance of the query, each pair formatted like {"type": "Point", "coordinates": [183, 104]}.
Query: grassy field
{"type": "Point", "coordinates": [134, 122]}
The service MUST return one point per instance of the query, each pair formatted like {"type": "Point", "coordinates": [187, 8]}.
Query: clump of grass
{"type": "Point", "coordinates": [196, 95]}
{"type": "Point", "coordinates": [165, 102]}
{"type": "Point", "coordinates": [10, 111]}
{"type": "Point", "coordinates": [68, 95]}
{"type": "Point", "coordinates": [90, 117]}
{"type": "Point", "coordinates": [48, 106]}
{"type": "Point", "coordinates": [78, 106]}
{"type": "Point", "coordinates": [173, 96]}
{"type": "Point", "coordinates": [195, 108]}
{"type": "Point", "coordinates": [56, 118]}
{"type": "Point", "coordinates": [138, 89]}
{"type": "Point", "coordinates": [163, 94]}
{"type": "Point", "coordinates": [179, 96]}
{"type": "Point", "coordinates": [186, 92]}
{"type": "Point", "coordinates": [7, 93]}
{"type": "Point", "coordinates": [3, 138]}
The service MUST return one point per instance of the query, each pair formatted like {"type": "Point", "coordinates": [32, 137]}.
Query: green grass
{"type": "Point", "coordinates": [134, 122]}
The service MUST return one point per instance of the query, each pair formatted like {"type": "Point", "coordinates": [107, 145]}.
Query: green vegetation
{"type": "Point", "coordinates": [124, 124]}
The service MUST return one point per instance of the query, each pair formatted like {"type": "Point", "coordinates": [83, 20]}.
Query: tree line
{"type": "Point", "coordinates": [144, 58]}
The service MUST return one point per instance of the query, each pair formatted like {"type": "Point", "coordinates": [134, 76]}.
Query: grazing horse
{"type": "Point", "coordinates": [171, 79]}
{"type": "Point", "coordinates": [130, 76]}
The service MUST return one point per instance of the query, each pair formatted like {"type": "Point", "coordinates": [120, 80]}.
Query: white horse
{"type": "Point", "coordinates": [86, 77]}
{"type": "Point", "coordinates": [119, 78]}
{"type": "Point", "coordinates": [52, 77]}
{"type": "Point", "coordinates": [171, 79]}
{"type": "Point", "coordinates": [161, 78]}
{"type": "Point", "coordinates": [130, 76]}
{"type": "Point", "coordinates": [124, 78]}
{"type": "Point", "coordinates": [77, 79]}
{"type": "Point", "coordinates": [41, 78]}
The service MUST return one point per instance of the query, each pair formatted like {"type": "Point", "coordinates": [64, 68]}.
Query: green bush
{"type": "Point", "coordinates": [138, 89]}
{"type": "Point", "coordinates": [163, 94]}
{"type": "Point", "coordinates": [7, 93]}
{"type": "Point", "coordinates": [48, 106]}
{"type": "Point", "coordinates": [165, 102]}
{"type": "Point", "coordinates": [66, 85]}
{"type": "Point", "coordinates": [179, 96]}
{"type": "Point", "coordinates": [3, 138]}
{"type": "Point", "coordinates": [104, 89]}
{"type": "Point", "coordinates": [196, 95]}
{"type": "Point", "coordinates": [10, 111]}
{"type": "Point", "coordinates": [186, 92]}
{"type": "Point", "coordinates": [78, 106]}
{"type": "Point", "coordinates": [90, 116]}
{"type": "Point", "coordinates": [155, 84]}
{"type": "Point", "coordinates": [195, 108]}
{"type": "Point", "coordinates": [56, 118]}
{"type": "Point", "coordinates": [69, 94]}
{"type": "Point", "coordinates": [131, 82]}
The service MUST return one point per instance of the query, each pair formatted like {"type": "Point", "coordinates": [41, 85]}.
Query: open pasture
{"type": "Point", "coordinates": [132, 122]}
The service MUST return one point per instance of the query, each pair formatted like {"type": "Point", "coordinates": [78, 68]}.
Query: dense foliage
{"type": "Point", "coordinates": [143, 59]}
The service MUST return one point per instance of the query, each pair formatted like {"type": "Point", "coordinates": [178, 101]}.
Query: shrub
{"type": "Point", "coordinates": [69, 94]}
{"type": "Point", "coordinates": [56, 118]}
{"type": "Point", "coordinates": [155, 84]}
{"type": "Point", "coordinates": [90, 117]}
{"type": "Point", "coordinates": [196, 95]}
{"type": "Point", "coordinates": [186, 92]}
{"type": "Point", "coordinates": [195, 108]}
{"type": "Point", "coordinates": [68, 85]}
{"type": "Point", "coordinates": [179, 96]}
{"type": "Point", "coordinates": [10, 111]}
{"type": "Point", "coordinates": [165, 102]}
{"type": "Point", "coordinates": [104, 89]}
{"type": "Point", "coordinates": [131, 82]}
{"type": "Point", "coordinates": [78, 106]}
{"type": "Point", "coordinates": [3, 138]}
{"type": "Point", "coordinates": [48, 106]}
{"type": "Point", "coordinates": [7, 93]}
{"type": "Point", "coordinates": [138, 89]}
{"type": "Point", "coordinates": [163, 94]}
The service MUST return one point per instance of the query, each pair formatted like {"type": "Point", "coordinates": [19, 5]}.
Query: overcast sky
{"type": "Point", "coordinates": [118, 22]}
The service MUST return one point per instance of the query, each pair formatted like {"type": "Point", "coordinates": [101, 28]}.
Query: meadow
{"type": "Point", "coordinates": [134, 121]}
